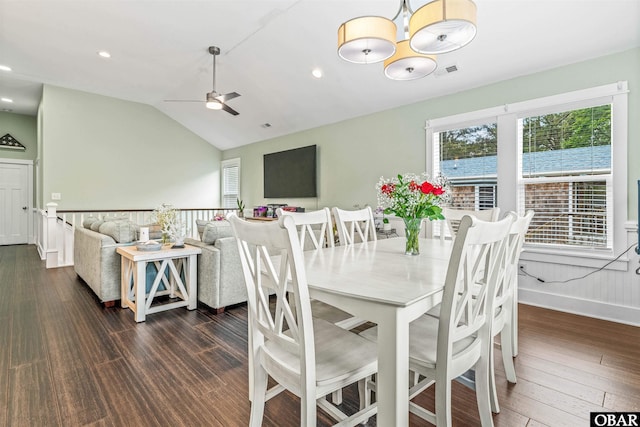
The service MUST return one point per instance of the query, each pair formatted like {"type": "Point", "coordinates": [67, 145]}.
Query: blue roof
{"type": "Point", "coordinates": [572, 159]}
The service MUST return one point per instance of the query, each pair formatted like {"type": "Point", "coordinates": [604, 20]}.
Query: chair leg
{"type": "Point", "coordinates": [443, 402]}
{"type": "Point", "coordinates": [514, 321]}
{"type": "Point", "coordinates": [260, 379]}
{"type": "Point", "coordinates": [507, 354]}
{"type": "Point", "coordinates": [308, 410]}
{"type": "Point", "coordinates": [483, 393]}
{"type": "Point", "coordinates": [363, 393]}
{"type": "Point", "coordinates": [336, 397]}
{"type": "Point", "coordinates": [493, 392]}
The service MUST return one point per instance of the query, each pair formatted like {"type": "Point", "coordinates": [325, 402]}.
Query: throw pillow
{"type": "Point", "coordinates": [201, 224]}
{"type": "Point", "coordinates": [122, 231]}
{"type": "Point", "coordinates": [95, 225]}
{"type": "Point", "coordinates": [215, 230]}
{"type": "Point", "coordinates": [88, 221]}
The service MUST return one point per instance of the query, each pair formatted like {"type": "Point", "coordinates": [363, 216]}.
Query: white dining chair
{"type": "Point", "coordinates": [354, 226]}
{"type": "Point", "coordinates": [315, 231]}
{"type": "Point", "coordinates": [309, 357]}
{"type": "Point", "coordinates": [453, 216]}
{"type": "Point", "coordinates": [515, 261]}
{"type": "Point", "coordinates": [442, 349]}
{"type": "Point", "coordinates": [315, 228]}
{"type": "Point", "coordinates": [505, 309]}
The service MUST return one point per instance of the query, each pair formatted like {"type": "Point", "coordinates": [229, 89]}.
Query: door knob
{"type": "Point", "coordinates": [24, 208]}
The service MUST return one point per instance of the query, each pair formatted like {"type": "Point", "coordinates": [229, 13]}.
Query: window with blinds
{"type": "Point", "coordinates": [230, 183]}
{"type": "Point", "coordinates": [468, 158]}
{"type": "Point", "coordinates": [565, 159]}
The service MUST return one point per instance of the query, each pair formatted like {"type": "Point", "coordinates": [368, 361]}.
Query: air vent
{"type": "Point", "coordinates": [446, 70]}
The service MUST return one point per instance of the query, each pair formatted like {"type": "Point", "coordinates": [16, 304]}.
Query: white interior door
{"type": "Point", "coordinates": [14, 203]}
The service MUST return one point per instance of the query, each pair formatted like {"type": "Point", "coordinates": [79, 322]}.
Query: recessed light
{"type": "Point", "coordinates": [317, 73]}
{"type": "Point", "coordinates": [6, 99]}
{"type": "Point", "coordinates": [5, 68]}
{"type": "Point", "coordinates": [266, 125]}
{"type": "Point", "coordinates": [104, 54]}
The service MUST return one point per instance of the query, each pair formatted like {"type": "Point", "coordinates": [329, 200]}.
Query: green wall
{"type": "Point", "coordinates": [353, 154]}
{"type": "Point", "coordinates": [106, 153]}
{"type": "Point", "coordinates": [22, 128]}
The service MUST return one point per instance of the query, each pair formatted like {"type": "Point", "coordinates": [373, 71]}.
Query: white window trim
{"type": "Point", "coordinates": [223, 165]}
{"type": "Point", "coordinates": [507, 118]}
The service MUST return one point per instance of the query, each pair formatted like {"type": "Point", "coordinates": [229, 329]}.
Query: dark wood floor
{"type": "Point", "coordinates": [67, 361]}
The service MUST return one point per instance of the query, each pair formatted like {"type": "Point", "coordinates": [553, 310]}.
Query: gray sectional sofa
{"type": "Point", "coordinates": [220, 279]}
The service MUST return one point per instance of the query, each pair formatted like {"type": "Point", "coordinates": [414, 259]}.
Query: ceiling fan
{"type": "Point", "coordinates": [214, 100]}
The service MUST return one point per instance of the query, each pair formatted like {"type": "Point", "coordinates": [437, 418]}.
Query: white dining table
{"type": "Point", "coordinates": [377, 282]}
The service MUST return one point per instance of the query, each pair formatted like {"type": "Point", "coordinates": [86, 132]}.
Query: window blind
{"type": "Point", "coordinates": [230, 185]}
{"type": "Point", "coordinates": [566, 177]}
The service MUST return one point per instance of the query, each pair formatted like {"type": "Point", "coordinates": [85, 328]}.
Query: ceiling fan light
{"type": "Point", "coordinates": [367, 40]}
{"type": "Point", "coordinates": [214, 105]}
{"type": "Point", "coordinates": [443, 26]}
{"type": "Point", "coordinates": [406, 64]}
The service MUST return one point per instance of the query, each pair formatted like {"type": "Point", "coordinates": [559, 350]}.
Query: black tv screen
{"type": "Point", "coordinates": [290, 173]}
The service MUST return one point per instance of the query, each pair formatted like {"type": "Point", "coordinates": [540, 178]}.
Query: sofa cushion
{"type": "Point", "coordinates": [95, 225]}
{"type": "Point", "coordinates": [88, 221]}
{"type": "Point", "coordinates": [122, 231]}
{"type": "Point", "coordinates": [201, 224]}
{"type": "Point", "coordinates": [215, 230]}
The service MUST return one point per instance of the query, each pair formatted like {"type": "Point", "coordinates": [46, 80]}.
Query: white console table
{"type": "Point", "coordinates": [179, 263]}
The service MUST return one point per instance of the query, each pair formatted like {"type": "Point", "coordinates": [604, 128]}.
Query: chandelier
{"type": "Point", "coordinates": [439, 26]}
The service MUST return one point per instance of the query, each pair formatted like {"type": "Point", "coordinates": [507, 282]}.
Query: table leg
{"type": "Point", "coordinates": [393, 371]}
{"type": "Point", "coordinates": [191, 273]}
{"type": "Point", "coordinates": [125, 282]}
{"type": "Point", "coordinates": [140, 282]}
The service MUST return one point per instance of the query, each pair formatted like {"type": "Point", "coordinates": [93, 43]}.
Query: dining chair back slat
{"type": "Point", "coordinates": [453, 216]}
{"type": "Point", "coordinates": [315, 229]}
{"type": "Point", "coordinates": [354, 226]}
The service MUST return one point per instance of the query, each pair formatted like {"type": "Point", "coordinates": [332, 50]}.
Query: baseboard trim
{"type": "Point", "coordinates": [583, 307]}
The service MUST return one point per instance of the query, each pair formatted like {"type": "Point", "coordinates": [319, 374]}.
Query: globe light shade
{"type": "Point", "coordinates": [367, 40]}
{"type": "Point", "coordinates": [442, 26]}
{"type": "Point", "coordinates": [406, 64]}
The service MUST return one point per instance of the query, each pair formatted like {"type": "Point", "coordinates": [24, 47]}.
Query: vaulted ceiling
{"type": "Point", "coordinates": [269, 48]}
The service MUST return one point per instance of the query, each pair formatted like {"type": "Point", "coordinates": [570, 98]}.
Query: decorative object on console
{"type": "Point", "coordinates": [413, 198]}
{"type": "Point", "coordinates": [440, 26]}
{"type": "Point", "coordinates": [171, 224]}
{"type": "Point", "coordinates": [7, 141]}
{"type": "Point", "coordinates": [149, 245]}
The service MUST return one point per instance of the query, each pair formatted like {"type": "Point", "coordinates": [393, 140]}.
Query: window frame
{"type": "Point", "coordinates": [227, 164]}
{"type": "Point", "coordinates": [509, 171]}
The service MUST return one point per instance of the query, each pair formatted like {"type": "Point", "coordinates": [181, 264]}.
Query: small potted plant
{"type": "Point", "coordinates": [240, 204]}
{"type": "Point", "coordinates": [386, 226]}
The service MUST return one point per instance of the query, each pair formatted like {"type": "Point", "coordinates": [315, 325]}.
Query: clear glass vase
{"type": "Point", "coordinates": [412, 231]}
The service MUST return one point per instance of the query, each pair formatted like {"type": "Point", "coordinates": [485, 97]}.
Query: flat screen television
{"type": "Point", "coordinates": [290, 173]}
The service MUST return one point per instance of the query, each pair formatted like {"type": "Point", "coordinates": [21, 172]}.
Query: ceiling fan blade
{"type": "Point", "coordinates": [229, 110]}
{"type": "Point", "coordinates": [182, 100]}
{"type": "Point", "coordinates": [227, 96]}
